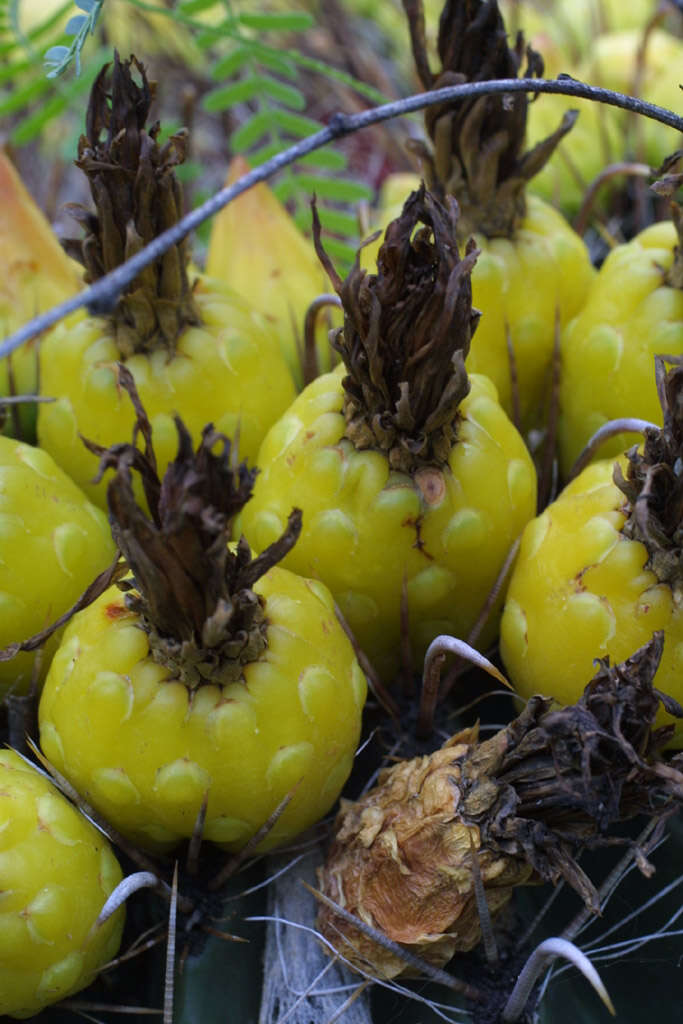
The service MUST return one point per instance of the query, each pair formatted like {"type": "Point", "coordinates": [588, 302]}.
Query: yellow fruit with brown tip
{"type": "Point", "coordinates": [413, 482]}
{"type": "Point", "coordinates": [601, 569]}
{"type": "Point", "coordinates": [193, 346]}
{"type": "Point", "coordinates": [214, 680]}
{"type": "Point", "coordinates": [534, 270]}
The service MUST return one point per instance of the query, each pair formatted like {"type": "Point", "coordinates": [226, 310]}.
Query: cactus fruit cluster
{"type": "Point", "coordinates": [233, 531]}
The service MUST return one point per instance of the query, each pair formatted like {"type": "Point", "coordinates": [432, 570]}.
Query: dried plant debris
{"type": "Point", "coordinates": [192, 590]}
{"type": "Point", "coordinates": [406, 335]}
{"type": "Point", "coordinates": [477, 144]}
{"type": "Point", "coordinates": [137, 196]}
{"type": "Point", "coordinates": [524, 803]}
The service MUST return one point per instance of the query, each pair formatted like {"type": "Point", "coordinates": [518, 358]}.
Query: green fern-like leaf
{"type": "Point", "coordinates": [251, 56]}
{"type": "Point", "coordinates": [60, 57]}
{"type": "Point", "coordinates": [258, 81]}
{"type": "Point", "coordinates": [30, 99]}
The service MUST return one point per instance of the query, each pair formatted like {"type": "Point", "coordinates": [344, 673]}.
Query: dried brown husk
{"type": "Point", "coordinates": [653, 484]}
{"type": "Point", "coordinates": [478, 152]}
{"type": "Point", "coordinates": [137, 196]}
{"type": "Point", "coordinates": [192, 591]}
{"type": "Point", "coordinates": [523, 803]}
{"type": "Point", "coordinates": [406, 334]}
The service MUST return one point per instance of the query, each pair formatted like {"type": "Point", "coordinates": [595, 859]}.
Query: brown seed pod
{"type": "Point", "coordinates": [522, 803]}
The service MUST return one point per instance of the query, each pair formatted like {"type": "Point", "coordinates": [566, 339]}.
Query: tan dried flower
{"type": "Point", "coordinates": [522, 803]}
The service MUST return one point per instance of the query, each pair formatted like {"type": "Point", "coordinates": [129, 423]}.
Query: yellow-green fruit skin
{"type": "Point", "coordinates": [367, 532]}
{"type": "Point", "coordinates": [608, 350]}
{"type": "Point", "coordinates": [280, 276]}
{"type": "Point", "coordinates": [56, 872]}
{"type": "Point", "coordinates": [35, 273]}
{"type": "Point", "coordinates": [229, 371]}
{"type": "Point", "coordinates": [606, 135]}
{"type": "Point", "coordinates": [524, 287]}
{"type": "Point", "coordinates": [53, 542]}
{"type": "Point", "coordinates": [145, 752]}
{"type": "Point", "coordinates": [562, 32]}
{"type": "Point", "coordinates": [580, 591]}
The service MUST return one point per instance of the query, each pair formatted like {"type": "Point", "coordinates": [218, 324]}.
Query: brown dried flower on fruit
{"type": "Point", "coordinates": [522, 803]}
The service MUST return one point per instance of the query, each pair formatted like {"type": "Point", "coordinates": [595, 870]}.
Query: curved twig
{"type": "Point", "coordinates": [623, 168]}
{"type": "Point", "coordinates": [311, 369]}
{"type": "Point", "coordinates": [102, 296]}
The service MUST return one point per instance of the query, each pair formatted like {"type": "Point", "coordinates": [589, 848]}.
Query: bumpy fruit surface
{"type": "Point", "coordinates": [580, 591]}
{"type": "Point", "coordinates": [57, 871]}
{"type": "Point", "coordinates": [146, 751]}
{"type": "Point", "coordinates": [229, 369]}
{"type": "Point", "coordinates": [631, 314]}
{"type": "Point", "coordinates": [53, 542]}
{"type": "Point", "coordinates": [544, 249]}
{"type": "Point", "coordinates": [369, 530]}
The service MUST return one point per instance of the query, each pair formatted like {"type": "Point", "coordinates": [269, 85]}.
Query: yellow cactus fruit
{"type": "Point", "coordinates": [618, 61]}
{"type": "Point", "coordinates": [565, 34]}
{"type": "Point", "coordinates": [409, 474]}
{"type": "Point", "coordinates": [217, 678]}
{"type": "Point", "coordinates": [633, 311]}
{"type": "Point", "coordinates": [280, 275]}
{"type": "Point", "coordinates": [53, 542]}
{"type": "Point", "coordinates": [601, 567]}
{"type": "Point", "coordinates": [57, 871]}
{"type": "Point", "coordinates": [193, 347]}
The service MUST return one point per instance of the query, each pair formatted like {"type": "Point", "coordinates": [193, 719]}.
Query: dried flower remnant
{"type": "Point", "coordinates": [522, 802]}
{"type": "Point", "coordinates": [193, 593]}
{"type": "Point", "coordinates": [478, 152]}
{"type": "Point", "coordinates": [137, 196]}
{"type": "Point", "coordinates": [406, 334]}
